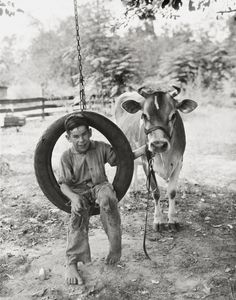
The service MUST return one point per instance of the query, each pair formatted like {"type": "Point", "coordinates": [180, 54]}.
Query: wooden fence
{"type": "Point", "coordinates": [34, 107]}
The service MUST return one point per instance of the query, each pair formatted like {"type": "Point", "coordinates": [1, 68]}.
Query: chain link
{"type": "Point", "coordinates": [81, 77]}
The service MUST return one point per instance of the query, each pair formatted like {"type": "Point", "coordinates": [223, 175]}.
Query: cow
{"type": "Point", "coordinates": [151, 122]}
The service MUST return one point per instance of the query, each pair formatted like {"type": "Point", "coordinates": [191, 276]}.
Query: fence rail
{"type": "Point", "coordinates": [34, 107]}
{"type": "Point", "coordinates": [41, 106]}
{"type": "Point", "coordinates": [18, 109]}
{"type": "Point", "coordinates": [37, 99]}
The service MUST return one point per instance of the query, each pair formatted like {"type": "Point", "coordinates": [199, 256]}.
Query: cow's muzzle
{"type": "Point", "coordinates": [159, 142]}
{"type": "Point", "coordinates": [159, 146]}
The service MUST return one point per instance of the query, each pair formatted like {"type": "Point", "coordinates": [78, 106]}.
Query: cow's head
{"type": "Point", "coordinates": [158, 110]}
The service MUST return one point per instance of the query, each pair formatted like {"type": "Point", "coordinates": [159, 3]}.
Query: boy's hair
{"type": "Point", "coordinates": [74, 121]}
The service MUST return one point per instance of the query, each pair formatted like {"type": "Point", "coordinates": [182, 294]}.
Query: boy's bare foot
{"type": "Point", "coordinates": [113, 257]}
{"type": "Point", "coordinates": [72, 275]}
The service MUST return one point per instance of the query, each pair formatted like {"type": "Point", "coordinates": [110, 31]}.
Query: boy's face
{"type": "Point", "coordinates": [80, 138]}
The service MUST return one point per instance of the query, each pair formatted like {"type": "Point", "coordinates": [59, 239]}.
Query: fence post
{"type": "Point", "coordinates": [43, 108]}
{"type": "Point", "coordinates": [43, 86]}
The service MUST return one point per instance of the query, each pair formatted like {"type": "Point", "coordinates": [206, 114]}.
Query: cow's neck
{"type": "Point", "coordinates": [166, 162]}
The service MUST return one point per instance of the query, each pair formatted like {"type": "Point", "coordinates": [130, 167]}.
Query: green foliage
{"type": "Point", "coordinates": [8, 8]}
{"type": "Point", "coordinates": [7, 63]}
{"type": "Point", "coordinates": [115, 71]}
{"type": "Point", "coordinates": [148, 9]}
{"type": "Point", "coordinates": [148, 48]}
{"type": "Point", "coordinates": [42, 62]}
{"type": "Point", "coordinates": [108, 61]}
{"type": "Point", "coordinates": [194, 60]}
{"type": "Point", "coordinates": [112, 63]}
{"type": "Point", "coordinates": [183, 58]}
{"type": "Point", "coordinates": [199, 4]}
{"type": "Point", "coordinates": [109, 65]}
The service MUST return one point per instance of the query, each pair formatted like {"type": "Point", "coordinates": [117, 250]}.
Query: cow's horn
{"type": "Point", "coordinates": [176, 91]}
{"type": "Point", "coordinates": [156, 102]}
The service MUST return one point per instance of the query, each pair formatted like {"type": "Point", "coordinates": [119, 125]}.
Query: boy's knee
{"type": "Point", "coordinates": [107, 199]}
{"type": "Point", "coordinates": [108, 204]}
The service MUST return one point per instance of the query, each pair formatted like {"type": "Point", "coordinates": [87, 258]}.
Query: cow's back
{"type": "Point", "coordinates": [129, 124]}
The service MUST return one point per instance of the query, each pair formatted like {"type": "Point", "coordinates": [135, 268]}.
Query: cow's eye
{"type": "Point", "coordinates": [173, 117]}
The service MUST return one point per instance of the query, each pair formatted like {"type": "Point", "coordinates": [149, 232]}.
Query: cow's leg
{"type": "Point", "coordinates": [159, 219]}
{"type": "Point", "coordinates": [137, 161]}
{"type": "Point", "coordinates": [173, 221]}
{"type": "Point", "coordinates": [135, 177]}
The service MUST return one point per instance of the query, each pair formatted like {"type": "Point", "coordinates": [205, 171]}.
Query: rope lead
{"type": "Point", "coordinates": [148, 184]}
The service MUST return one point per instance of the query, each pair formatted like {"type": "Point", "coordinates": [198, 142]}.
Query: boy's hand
{"type": "Point", "coordinates": [78, 204]}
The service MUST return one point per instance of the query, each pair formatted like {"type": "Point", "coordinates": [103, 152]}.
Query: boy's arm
{"type": "Point", "coordinates": [66, 190]}
{"type": "Point", "coordinates": [111, 156]}
{"type": "Point", "coordinates": [139, 152]}
{"type": "Point", "coordinates": [77, 201]}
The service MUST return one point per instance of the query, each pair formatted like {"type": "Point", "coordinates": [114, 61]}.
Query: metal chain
{"type": "Point", "coordinates": [81, 77]}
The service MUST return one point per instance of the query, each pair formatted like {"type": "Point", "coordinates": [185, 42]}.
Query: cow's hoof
{"type": "Point", "coordinates": [159, 227]}
{"type": "Point", "coordinates": [173, 227]}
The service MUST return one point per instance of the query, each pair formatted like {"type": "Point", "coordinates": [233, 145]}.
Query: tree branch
{"type": "Point", "coordinates": [225, 11]}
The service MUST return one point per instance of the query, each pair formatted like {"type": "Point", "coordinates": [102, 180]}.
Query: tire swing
{"type": "Point", "coordinates": [43, 153]}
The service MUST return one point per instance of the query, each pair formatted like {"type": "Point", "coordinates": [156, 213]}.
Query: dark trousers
{"type": "Point", "coordinates": [77, 239]}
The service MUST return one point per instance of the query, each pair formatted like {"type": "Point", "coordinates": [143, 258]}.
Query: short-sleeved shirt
{"type": "Point", "coordinates": [77, 168]}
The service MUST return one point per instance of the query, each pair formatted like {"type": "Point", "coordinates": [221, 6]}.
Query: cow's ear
{"type": "Point", "coordinates": [186, 105]}
{"type": "Point", "coordinates": [131, 106]}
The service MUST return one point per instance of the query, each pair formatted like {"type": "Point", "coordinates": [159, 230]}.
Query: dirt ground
{"type": "Point", "coordinates": [198, 262]}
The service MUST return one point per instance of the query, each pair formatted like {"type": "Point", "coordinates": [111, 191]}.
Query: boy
{"type": "Point", "coordinates": [84, 182]}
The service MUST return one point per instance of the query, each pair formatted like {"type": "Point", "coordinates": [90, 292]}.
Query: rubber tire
{"type": "Point", "coordinates": [43, 155]}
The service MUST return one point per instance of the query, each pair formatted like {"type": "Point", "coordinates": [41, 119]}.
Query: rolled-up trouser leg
{"type": "Point", "coordinates": [77, 239]}
{"type": "Point", "coordinates": [109, 213]}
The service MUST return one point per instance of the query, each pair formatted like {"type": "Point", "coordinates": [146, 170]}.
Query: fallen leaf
{"type": "Point", "coordinates": [155, 281]}
{"type": "Point", "coordinates": [40, 293]}
{"type": "Point", "coordinates": [144, 292]}
{"type": "Point", "coordinates": [42, 274]}
{"type": "Point", "coordinates": [33, 220]}
{"type": "Point", "coordinates": [120, 265]}
{"type": "Point", "coordinates": [217, 226]}
{"type": "Point", "coordinates": [10, 276]}
{"type": "Point", "coordinates": [165, 239]}
{"type": "Point", "coordinates": [206, 289]}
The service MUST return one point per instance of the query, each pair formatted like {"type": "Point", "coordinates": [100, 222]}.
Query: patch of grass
{"type": "Point", "coordinates": [127, 291]}
{"type": "Point", "coordinates": [9, 265]}
{"type": "Point", "coordinates": [28, 223]}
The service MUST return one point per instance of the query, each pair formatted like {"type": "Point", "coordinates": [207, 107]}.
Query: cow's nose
{"type": "Point", "coordinates": [159, 146]}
